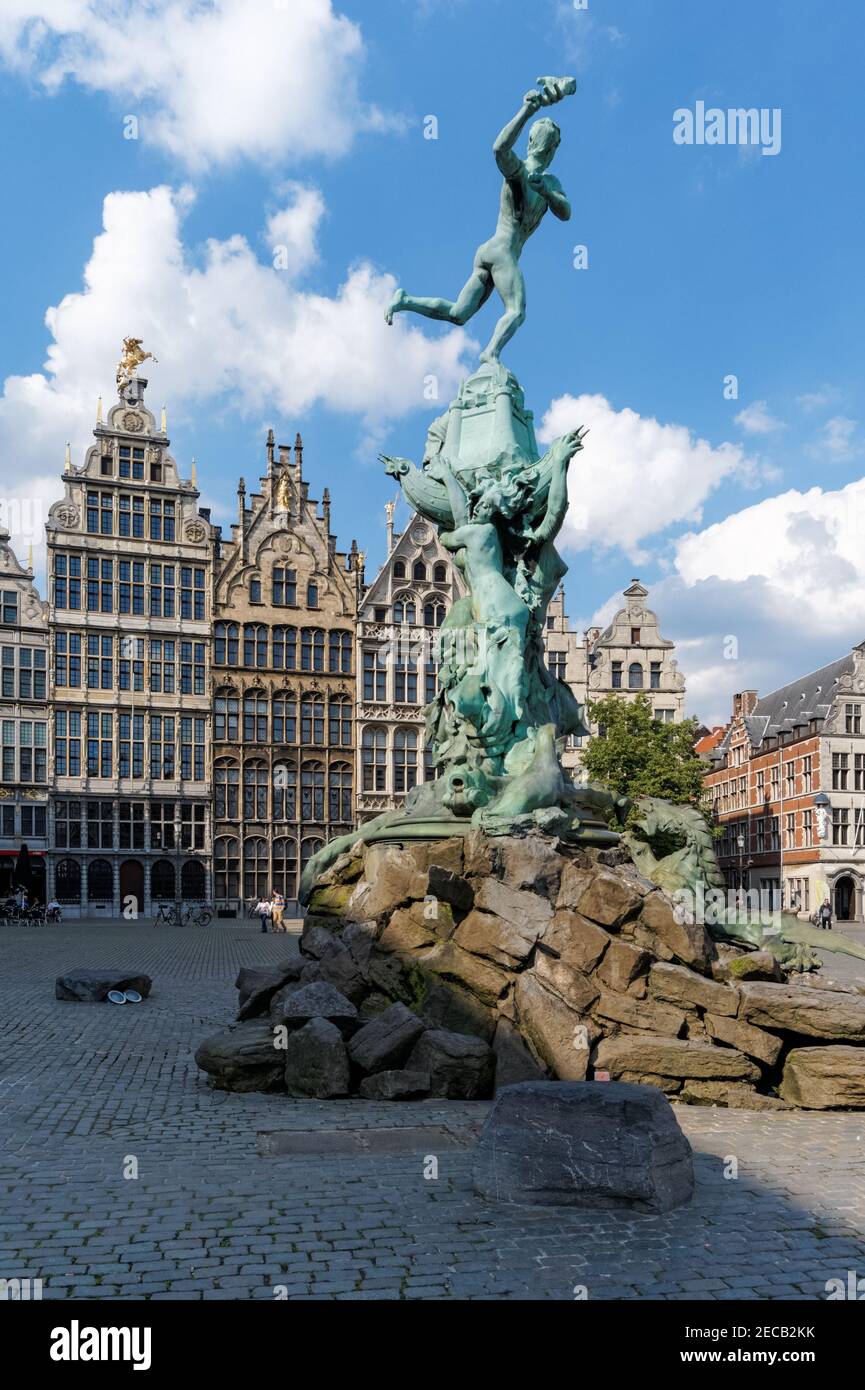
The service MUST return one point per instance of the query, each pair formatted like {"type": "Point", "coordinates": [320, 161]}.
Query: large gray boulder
{"type": "Point", "coordinates": [92, 986]}
{"type": "Point", "coordinates": [256, 985]}
{"type": "Point", "coordinates": [384, 1043]}
{"type": "Point", "coordinates": [316, 1000]}
{"type": "Point", "coordinates": [245, 1058]}
{"type": "Point", "coordinates": [395, 1085]}
{"type": "Point", "coordinates": [459, 1067]}
{"type": "Point", "coordinates": [316, 1062]}
{"type": "Point", "coordinates": [584, 1144]}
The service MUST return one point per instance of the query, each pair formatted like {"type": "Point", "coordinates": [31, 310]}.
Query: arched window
{"type": "Point", "coordinates": [433, 614]}
{"type": "Point", "coordinates": [226, 713]}
{"type": "Point", "coordinates": [284, 792]}
{"type": "Point", "coordinates": [311, 649]}
{"type": "Point", "coordinates": [100, 881]}
{"type": "Point", "coordinates": [309, 847]}
{"type": "Point", "coordinates": [312, 792]}
{"type": "Point", "coordinates": [226, 780]}
{"type": "Point", "coordinates": [440, 574]}
{"type": "Point", "coordinates": [285, 648]}
{"type": "Point", "coordinates": [226, 868]}
{"type": "Point", "coordinates": [162, 881]}
{"type": "Point", "coordinates": [405, 679]}
{"type": "Point", "coordinates": [339, 722]}
{"type": "Point", "coordinates": [285, 867]}
{"type": "Point", "coordinates": [635, 676]}
{"type": "Point", "coordinates": [374, 760]}
{"type": "Point", "coordinates": [404, 760]}
{"type": "Point", "coordinates": [340, 800]}
{"type": "Point", "coordinates": [419, 571]}
{"type": "Point", "coordinates": [225, 639]}
{"type": "Point", "coordinates": [284, 719]}
{"type": "Point", "coordinates": [398, 569]}
{"type": "Point", "coordinates": [312, 720]}
{"type": "Point", "coordinates": [404, 609]}
{"type": "Point", "coordinates": [339, 652]}
{"type": "Point", "coordinates": [67, 881]}
{"type": "Point", "coordinates": [255, 869]}
{"type": "Point", "coordinates": [254, 645]}
{"type": "Point", "coordinates": [255, 791]}
{"type": "Point", "coordinates": [255, 717]}
{"type": "Point", "coordinates": [192, 881]}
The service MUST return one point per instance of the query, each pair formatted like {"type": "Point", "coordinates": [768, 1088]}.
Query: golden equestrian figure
{"type": "Point", "coordinates": [132, 358]}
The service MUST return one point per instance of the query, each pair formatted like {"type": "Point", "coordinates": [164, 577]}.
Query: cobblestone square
{"type": "Point", "coordinates": [91, 1093]}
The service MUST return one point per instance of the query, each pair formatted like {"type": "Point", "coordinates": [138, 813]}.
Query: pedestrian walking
{"type": "Point", "coordinates": [263, 911]}
{"type": "Point", "coordinates": [826, 915]}
{"type": "Point", "coordinates": [277, 910]}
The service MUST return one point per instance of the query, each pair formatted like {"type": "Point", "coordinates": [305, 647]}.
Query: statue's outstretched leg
{"type": "Point", "coordinates": [511, 286]}
{"type": "Point", "coordinates": [474, 293]}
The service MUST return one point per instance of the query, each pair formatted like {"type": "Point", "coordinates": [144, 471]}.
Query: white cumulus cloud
{"type": "Point", "coordinates": [757, 418]}
{"type": "Point", "coordinates": [635, 476]}
{"type": "Point", "coordinates": [269, 80]}
{"type": "Point", "coordinates": [227, 327]}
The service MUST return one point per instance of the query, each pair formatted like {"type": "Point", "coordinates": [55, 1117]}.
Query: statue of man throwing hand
{"type": "Point", "coordinates": [527, 192]}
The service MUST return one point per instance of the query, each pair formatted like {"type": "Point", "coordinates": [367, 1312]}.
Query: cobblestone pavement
{"type": "Point", "coordinates": [89, 1091]}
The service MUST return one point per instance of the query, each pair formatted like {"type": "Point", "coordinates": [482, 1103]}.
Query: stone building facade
{"type": "Point", "coordinates": [399, 622]}
{"type": "Point", "coordinates": [24, 719]}
{"type": "Point", "coordinates": [283, 686]}
{"type": "Point", "coordinates": [129, 558]}
{"type": "Point", "coordinates": [628, 657]}
{"type": "Point", "coordinates": [787, 783]}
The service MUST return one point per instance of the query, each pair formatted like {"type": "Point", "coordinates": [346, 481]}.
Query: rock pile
{"type": "Point", "coordinates": [454, 967]}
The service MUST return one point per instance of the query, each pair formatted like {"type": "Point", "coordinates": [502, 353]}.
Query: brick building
{"type": "Point", "coordinates": [787, 783]}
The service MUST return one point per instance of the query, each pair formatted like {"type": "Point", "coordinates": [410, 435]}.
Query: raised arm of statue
{"type": "Point", "coordinates": [562, 452]}
{"type": "Point", "coordinates": [509, 163]}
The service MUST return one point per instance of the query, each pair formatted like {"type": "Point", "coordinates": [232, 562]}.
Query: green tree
{"type": "Point", "coordinates": [635, 754]}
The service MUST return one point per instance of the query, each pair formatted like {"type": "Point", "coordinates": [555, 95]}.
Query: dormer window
{"type": "Point", "coordinates": [399, 569]}
{"type": "Point", "coordinates": [9, 607]}
{"type": "Point", "coordinates": [635, 637]}
{"type": "Point", "coordinates": [131, 461]}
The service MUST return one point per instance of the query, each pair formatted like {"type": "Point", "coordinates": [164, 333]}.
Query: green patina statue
{"type": "Point", "coordinates": [528, 190]}
{"type": "Point", "coordinates": [673, 846]}
{"type": "Point", "coordinates": [499, 719]}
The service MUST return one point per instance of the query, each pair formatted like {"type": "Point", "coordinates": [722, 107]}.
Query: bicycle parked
{"type": "Point", "coordinates": [191, 914]}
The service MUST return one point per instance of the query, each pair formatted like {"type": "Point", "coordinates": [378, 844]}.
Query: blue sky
{"type": "Point", "coordinates": [702, 262]}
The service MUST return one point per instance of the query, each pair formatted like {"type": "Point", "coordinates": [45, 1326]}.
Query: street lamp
{"type": "Point", "coordinates": [740, 841]}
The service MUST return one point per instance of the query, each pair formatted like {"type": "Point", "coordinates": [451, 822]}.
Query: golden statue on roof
{"type": "Point", "coordinates": [132, 358]}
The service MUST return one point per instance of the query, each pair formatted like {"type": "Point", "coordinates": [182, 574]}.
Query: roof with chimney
{"type": "Point", "coordinates": [805, 700]}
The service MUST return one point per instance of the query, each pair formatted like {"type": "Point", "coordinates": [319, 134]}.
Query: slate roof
{"type": "Point", "coordinates": [806, 698]}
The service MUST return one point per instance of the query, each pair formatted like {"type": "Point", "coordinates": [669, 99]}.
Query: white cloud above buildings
{"type": "Point", "coordinates": [230, 330]}
{"type": "Point", "coordinates": [273, 81]}
{"type": "Point", "coordinates": [635, 477]}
